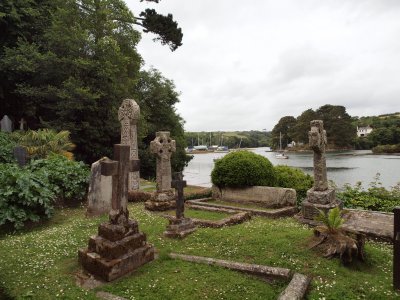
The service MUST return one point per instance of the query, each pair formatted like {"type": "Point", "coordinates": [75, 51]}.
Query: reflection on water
{"type": "Point", "coordinates": [343, 166]}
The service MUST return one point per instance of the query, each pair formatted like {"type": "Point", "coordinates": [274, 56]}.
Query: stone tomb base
{"type": "Point", "coordinates": [161, 201]}
{"type": "Point", "coordinates": [116, 250]}
{"type": "Point", "coordinates": [179, 228]}
{"type": "Point", "coordinates": [310, 210]}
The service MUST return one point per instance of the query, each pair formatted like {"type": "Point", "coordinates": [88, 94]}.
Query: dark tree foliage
{"type": "Point", "coordinates": [68, 64]}
{"type": "Point", "coordinates": [337, 122]}
{"type": "Point", "coordinates": [157, 97]}
{"type": "Point", "coordinates": [338, 125]}
{"type": "Point", "coordinates": [164, 26]}
{"type": "Point", "coordinates": [284, 128]}
{"type": "Point", "coordinates": [386, 130]}
{"type": "Point", "coordinates": [300, 130]}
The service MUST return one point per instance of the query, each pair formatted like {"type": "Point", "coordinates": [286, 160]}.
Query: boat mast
{"type": "Point", "coordinates": [280, 141]}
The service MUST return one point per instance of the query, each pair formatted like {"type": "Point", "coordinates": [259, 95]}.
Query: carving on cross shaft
{"type": "Point", "coordinates": [163, 146]}
{"type": "Point", "coordinates": [128, 115]}
{"type": "Point", "coordinates": [179, 184]}
{"type": "Point", "coordinates": [318, 141]}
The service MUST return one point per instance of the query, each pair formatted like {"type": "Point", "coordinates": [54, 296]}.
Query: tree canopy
{"type": "Point", "coordinates": [68, 64]}
{"type": "Point", "coordinates": [337, 123]}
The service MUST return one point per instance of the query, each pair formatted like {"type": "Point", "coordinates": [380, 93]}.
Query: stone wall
{"type": "Point", "coordinates": [269, 197]}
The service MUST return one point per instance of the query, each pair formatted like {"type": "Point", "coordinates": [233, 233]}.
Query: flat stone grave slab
{"type": "Point", "coordinates": [296, 289]}
{"type": "Point", "coordinates": [216, 217]}
{"type": "Point", "coordinates": [252, 208]}
{"type": "Point", "coordinates": [375, 225]}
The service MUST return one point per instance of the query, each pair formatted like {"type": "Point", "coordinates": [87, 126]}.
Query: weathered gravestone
{"type": "Point", "coordinates": [100, 191]}
{"type": "Point", "coordinates": [164, 197]}
{"type": "Point", "coordinates": [22, 124]}
{"type": "Point", "coordinates": [396, 249]}
{"type": "Point", "coordinates": [6, 124]}
{"type": "Point", "coordinates": [320, 196]}
{"type": "Point", "coordinates": [119, 247]}
{"type": "Point", "coordinates": [128, 115]}
{"type": "Point", "coordinates": [179, 226]}
{"type": "Point", "coordinates": [21, 155]}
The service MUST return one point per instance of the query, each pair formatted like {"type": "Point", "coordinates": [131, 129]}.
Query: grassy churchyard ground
{"type": "Point", "coordinates": [40, 263]}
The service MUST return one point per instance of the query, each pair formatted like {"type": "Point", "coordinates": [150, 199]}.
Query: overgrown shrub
{"type": "Point", "coordinates": [69, 176]}
{"type": "Point", "coordinates": [376, 197]}
{"type": "Point", "coordinates": [289, 177]}
{"type": "Point", "coordinates": [7, 145]}
{"type": "Point", "coordinates": [387, 149]}
{"type": "Point", "coordinates": [24, 195]}
{"type": "Point", "coordinates": [43, 142]}
{"type": "Point", "coordinates": [243, 168]}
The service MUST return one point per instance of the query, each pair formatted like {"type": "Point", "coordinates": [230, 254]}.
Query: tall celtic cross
{"type": "Point", "coordinates": [179, 184]}
{"type": "Point", "coordinates": [119, 169]}
{"type": "Point", "coordinates": [317, 141]}
{"type": "Point", "coordinates": [163, 147]}
{"type": "Point", "coordinates": [128, 115]}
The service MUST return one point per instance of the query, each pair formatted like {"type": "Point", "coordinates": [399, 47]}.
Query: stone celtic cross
{"type": "Point", "coordinates": [317, 141]}
{"type": "Point", "coordinates": [128, 115]}
{"type": "Point", "coordinates": [119, 169]}
{"type": "Point", "coordinates": [163, 147]}
{"type": "Point", "coordinates": [179, 184]}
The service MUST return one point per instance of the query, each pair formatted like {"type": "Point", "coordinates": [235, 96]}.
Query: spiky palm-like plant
{"type": "Point", "coordinates": [333, 241]}
{"type": "Point", "coordinates": [331, 220]}
{"type": "Point", "coordinates": [43, 142]}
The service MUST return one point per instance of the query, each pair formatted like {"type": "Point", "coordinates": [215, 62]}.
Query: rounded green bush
{"type": "Point", "coordinates": [243, 168]}
{"type": "Point", "coordinates": [289, 177]}
{"type": "Point", "coordinates": [24, 195]}
{"type": "Point", "coordinates": [71, 177]}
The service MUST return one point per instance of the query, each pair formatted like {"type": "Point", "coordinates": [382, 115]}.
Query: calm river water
{"type": "Point", "coordinates": [343, 167]}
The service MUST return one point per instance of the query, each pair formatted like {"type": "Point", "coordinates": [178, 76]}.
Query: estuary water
{"type": "Point", "coordinates": [343, 166]}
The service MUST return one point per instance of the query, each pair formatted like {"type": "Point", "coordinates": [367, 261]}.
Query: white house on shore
{"type": "Point", "coordinates": [364, 131]}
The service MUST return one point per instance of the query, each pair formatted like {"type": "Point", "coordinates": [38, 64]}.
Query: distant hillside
{"type": "Point", "coordinates": [376, 121]}
{"type": "Point", "coordinates": [232, 139]}
{"type": "Point", "coordinates": [386, 131]}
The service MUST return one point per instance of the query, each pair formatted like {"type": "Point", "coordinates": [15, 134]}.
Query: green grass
{"type": "Point", "coordinates": [202, 214]}
{"type": "Point", "coordinates": [40, 263]}
{"type": "Point", "coordinates": [235, 204]}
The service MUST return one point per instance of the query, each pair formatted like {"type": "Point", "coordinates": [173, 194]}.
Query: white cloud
{"type": "Point", "coordinates": [245, 64]}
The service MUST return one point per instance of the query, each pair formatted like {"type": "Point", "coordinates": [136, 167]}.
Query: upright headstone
{"type": "Point", "coordinates": [21, 155]}
{"type": "Point", "coordinates": [320, 196]}
{"type": "Point", "coordinates": [6, 124]}
{"type": "Point", "coordinates": [100, 191]}
{"type": "Point", "coordinates": [128, 115]}
{"type": "Point", "coordinates": [22, 124]}
{"type": "Point", "coordinates": [396, 249]}
{"type": "Point", "coordinates": [119, 248]}
{"type": "Point", "coordinates": [163, 147]}
{"type": "Point", "coordinates": [179, 226]}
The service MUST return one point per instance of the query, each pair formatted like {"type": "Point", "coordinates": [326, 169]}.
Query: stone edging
{"type": "Point", "coordinates": [296, 289]}
{"type": "Point", "coordinates": [270, 213]}
{"type": "Point", "coordinates": [236, 218]}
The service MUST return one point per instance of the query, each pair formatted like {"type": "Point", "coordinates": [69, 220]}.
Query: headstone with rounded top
{"type": "Point", "coordinates": [6, 124]}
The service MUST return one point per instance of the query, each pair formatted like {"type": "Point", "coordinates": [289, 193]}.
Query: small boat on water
{"type": "Point", "coordinates": [281, 155]}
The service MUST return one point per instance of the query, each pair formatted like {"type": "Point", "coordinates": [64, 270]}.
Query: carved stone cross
{"type": "Point", "coordinates": [178, 183]}
{"type": "Point", "coordinates": [317, 141]}
{"type": "Point", "coordinates": [119, 169]}
{"type": "Point", "coordinates": [163, 147]}
{"type": "Point", "coordinates": [128, 115]}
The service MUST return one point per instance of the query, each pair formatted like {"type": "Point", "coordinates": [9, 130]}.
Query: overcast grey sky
{"type": "Point", "coordinates": [245, 64]}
